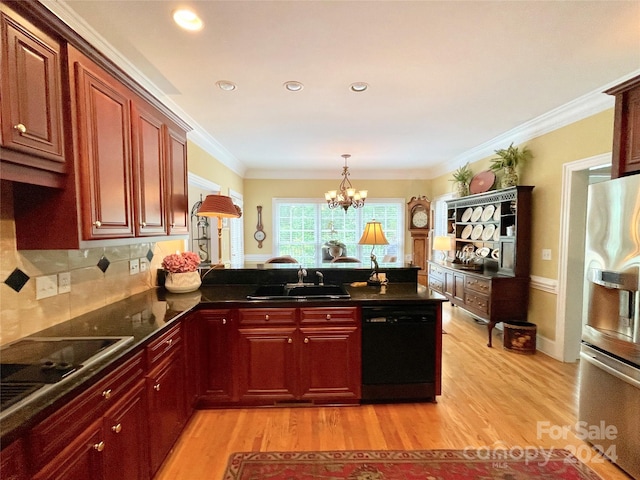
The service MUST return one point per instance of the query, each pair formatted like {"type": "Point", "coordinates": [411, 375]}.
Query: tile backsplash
{"type": "Point", "coordinates": [21, 314]}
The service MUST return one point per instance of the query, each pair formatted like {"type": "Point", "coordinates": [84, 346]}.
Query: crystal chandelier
{"type": "Point", "coordinates": [347, 196]}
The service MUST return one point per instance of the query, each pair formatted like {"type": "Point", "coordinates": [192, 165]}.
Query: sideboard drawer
{"type": "Point", "coordinates": [475, 302]}
{"type": "Point", "coordinates": [477, 284]}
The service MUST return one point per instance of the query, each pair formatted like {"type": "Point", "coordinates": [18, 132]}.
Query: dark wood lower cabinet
{"type": "Point", "coordinates": [82, 459]}
{"type": "Point", "coordinates": [267, 366]}
{"type": "Point", "coordinates": [13, 462]}
{"type": "Point", "coordinates": [166, 407]}
{"type": "Point", "coordinates": [124, 434]}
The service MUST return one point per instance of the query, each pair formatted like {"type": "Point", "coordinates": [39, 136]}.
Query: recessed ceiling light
{"type": "Point", "coordinates": [187, 19]}
{"type": "Point", "coordinates": [226, 85]}
{"type": "Point", "coordinates": [293, 86]}
{"type": "Point", "coordinates": [358, 87]}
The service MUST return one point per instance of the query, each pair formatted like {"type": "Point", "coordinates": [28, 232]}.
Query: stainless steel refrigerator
{"type": "Point", "coordinates": [609, 404]}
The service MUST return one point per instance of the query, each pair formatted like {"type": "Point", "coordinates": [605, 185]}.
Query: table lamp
{"type": "Point", "coordinates": [373, 235]}
{"type": "Point", "coordinates": [219, 206]}
{"type": "Point", "coordinates": [444, 244]}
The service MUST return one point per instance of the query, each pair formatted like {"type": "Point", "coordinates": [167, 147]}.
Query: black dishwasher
{"type": "Point", "coordinates": [399, 353]}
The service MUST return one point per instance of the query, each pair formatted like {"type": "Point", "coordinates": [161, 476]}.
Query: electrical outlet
{"type": "Point", "coordinates": [64, 282]}
{"type": "Point", "coordinates": [144, 266]}
{"type": "Point", "coordinates": [134, 266]}
{"type": "Point", "coordinates": [546, 254]}
{"type": "Point", "coordinates": [46, 286]}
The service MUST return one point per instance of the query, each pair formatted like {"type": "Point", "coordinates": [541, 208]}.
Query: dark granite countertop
{"type": "Point", "coordinates": [146, 315]}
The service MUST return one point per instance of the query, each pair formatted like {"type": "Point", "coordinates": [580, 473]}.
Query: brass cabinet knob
{"type": "Point", "coordinates": [97, 223]}
{"type": "Point", "coordinates": [106, 394]}
{"type": "Point", "coordinates": [20, 128]}
{"type": "Point", "coordinates": [117, 428]}
{"type": "Point", "coordinates": [156, 387]}
{"type": "Point", "coordinates": [328, 316]}
{"type": "Point", "coordinates": [224, 321]}
{"type": "Point", "coordinates": [143, 224]}
{"type": "Point", "coordinates": [266, 317]}
{"type": "Point", "coordinates": [289, 340]}
{"type": "Point", "coordinates": [170, 342]}
{"type": "Point", "coordinates": [306, 340]}
{"type": "Point", "coordinates": [98, 447]}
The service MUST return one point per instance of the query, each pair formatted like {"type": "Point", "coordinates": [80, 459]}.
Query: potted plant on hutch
{"type": "Point", "coordinates": [462, 176]}
{"type": "Point", "coordinates": [507, 161]}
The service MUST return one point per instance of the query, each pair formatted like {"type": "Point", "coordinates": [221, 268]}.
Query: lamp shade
{"type": "Point", "coordinates": [443, 243]}
{"type": "Point", "coordinates": [218, 206]}
{"type": "Point", "coordinates": [373, 234]}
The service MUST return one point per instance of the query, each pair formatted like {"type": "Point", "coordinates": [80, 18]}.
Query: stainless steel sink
{"type": "Point", "coordinates": [299, 291]}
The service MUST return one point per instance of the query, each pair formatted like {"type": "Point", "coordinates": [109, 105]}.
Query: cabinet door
{"type": "Point", "coordinates": [13, 462]}
{"type": "Point", "coordinates": [148, 170]}
{"type": "Point", "coordinates": [177, 190]}
{"type": "Point", "coordinates": [124, 426]}
{"type": "Point", "coordinates": [449, 284]}
{"type": "Point", "coordinates": [267, 367]}
{"type": "Point", "coordinates": [31, 90]}
{"type": "Point", "coordinates": [165, 396]}
{"type": "Point", "coordinates": [217, 336]}
{"type": "Point", "coordinates": [80, 460]}
{"type": "Point", "coordinates": [330, 363]}
{"type": "Point", "coordinates": [104, 132]}
{"type": "Point", "coordinates": [458, 286]}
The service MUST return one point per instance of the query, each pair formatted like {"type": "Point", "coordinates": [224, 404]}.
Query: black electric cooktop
{"type": "Point", "coordinates": [28, 365]}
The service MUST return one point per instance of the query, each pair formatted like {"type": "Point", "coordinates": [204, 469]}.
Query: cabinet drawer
{"type": "Point", "coordinates": [436, 284]}
{"type": "Point", "coordinates": [267, 316]}
{"type": "Point", "coordinates": [58, 430]}
{"type": "Point", "coordinates": [477, 284]}
{"type": "Point", "coordinates": [329, 315]}
{"type": "Point", "coordinates": [163, 346]}
{"type": "Point", "coordinates": [479, 303]}
{"type": "Point", "coordinates": [436, 271]}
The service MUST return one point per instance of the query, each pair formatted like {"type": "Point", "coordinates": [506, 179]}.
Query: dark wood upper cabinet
{"type": "Point", "coordinates": [177, 194]}
{"type": "Point", "coordinates": [32, 133]}
{"type": "Point", "coordinates": [104, 159]}
{"type": "Point", "coordinates": [626, 129]}
{"type": "Point", "coordinates": [149, 170]}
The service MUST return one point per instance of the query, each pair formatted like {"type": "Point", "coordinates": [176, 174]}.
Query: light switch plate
{"type": "Point", "coordinates": [144, 266]}
{"type": "Point", "coordinates": [134, 266]}
{"type": "Point", "coordinates": [46, 286]}
{"type": "Point", "coordinates": [64, 282]}
{"type": "Point", "coordinates": [546, 254]}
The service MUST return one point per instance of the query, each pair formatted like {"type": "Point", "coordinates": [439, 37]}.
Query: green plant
{"type": "Point", "coordinates": [510, 157]}
{"type": "Point", "coordinates": [462, 174]}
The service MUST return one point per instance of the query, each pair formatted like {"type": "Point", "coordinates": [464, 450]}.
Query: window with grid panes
{"type": "Point", "coordinates": [302, 226]}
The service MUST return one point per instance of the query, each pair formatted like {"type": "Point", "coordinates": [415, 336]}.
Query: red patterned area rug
{"type": "Point", "coordinates": [513, 464]}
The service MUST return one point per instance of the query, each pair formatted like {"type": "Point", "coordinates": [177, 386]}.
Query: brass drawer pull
{"type": "Point", "coordinates": [20, 128]}
{"type": "Point", "coordinates": [98, 447]}
{"type": "Point", "coordinates": [156, 387]}
{"type": "Point", "coordinates": [106, 394]}
{"type": "Point", "coordinates": [117, 428]}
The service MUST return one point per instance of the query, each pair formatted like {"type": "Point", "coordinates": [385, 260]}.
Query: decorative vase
{"type": "Point", "coordinates": [509, 178]}
{"type": "Point", "coordinates": [182, 282]}
{"type": "Point", "coordinates": [335, 251]}
{"type": "Point", "coordinates": [463, 189]}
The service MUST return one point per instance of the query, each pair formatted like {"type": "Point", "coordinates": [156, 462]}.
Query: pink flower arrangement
{"type": "Point", "coordinates": [181, 262]}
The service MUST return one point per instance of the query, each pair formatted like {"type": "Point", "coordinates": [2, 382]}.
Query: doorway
{"type": "Point", "coordinates": [576, 177]}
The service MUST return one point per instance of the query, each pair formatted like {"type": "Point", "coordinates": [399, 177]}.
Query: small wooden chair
{"type": "Point", "coordinates": [345, 260]}
{"type": "Point", "coordinates": [283, 259]}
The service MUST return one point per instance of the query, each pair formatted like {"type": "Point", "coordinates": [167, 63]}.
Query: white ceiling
{"type": "Point", "coordinates": [446, 77]}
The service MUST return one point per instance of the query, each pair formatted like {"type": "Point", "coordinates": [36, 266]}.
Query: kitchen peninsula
{"type": "Point", "coordinates": [204, 349]}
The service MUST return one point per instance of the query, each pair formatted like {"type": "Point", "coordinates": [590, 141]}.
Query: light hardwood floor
{"type": "Point", "coordinates": [490, 398]}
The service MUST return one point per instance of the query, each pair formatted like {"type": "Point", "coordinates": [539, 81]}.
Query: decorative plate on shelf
{"type": "Point", "coordinates": [496, 214]}
{"type": "Point", "coordinates": [477, 213]}
{"type": "Point", "coordinates": [477, 232]}
{"type": "Point", "coordinates": [482, 182]}
{"type": "Point", "coordinates": [466, 215]}
{"type": "Point", "coordinates": [488, 232]}
{"type": "Point", "coordinates": [487, 213]}
{"type": "Point", "coordinates": [496, 235]}
{"type": "Point", "coordinates": [466, 232]}
{"type": "Point", "coordinates": [483, 252]}
{"type": "Point", "coordinates": [495, 254]}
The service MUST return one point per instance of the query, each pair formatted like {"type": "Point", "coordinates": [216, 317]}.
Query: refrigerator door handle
{"type": "Point", "coordinates": [616, 373]}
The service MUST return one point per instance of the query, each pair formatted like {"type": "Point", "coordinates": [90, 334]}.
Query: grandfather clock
{"type": "Point", "coordinates": [419, 221]}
